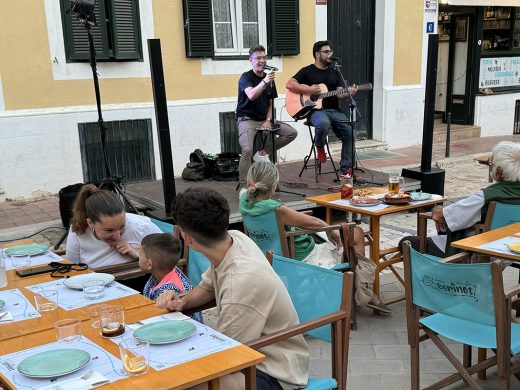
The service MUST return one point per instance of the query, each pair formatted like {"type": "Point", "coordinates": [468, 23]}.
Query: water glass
{"type": "Point", "coordinates": [94, 315]}
{"type": "Point", "coordinates": [3, 273]}
{"type": "Point", "coordinates": [68, 330]}
{"type": "Point", "coordinates": [393, 183]}
{"type": "Point", "coordinates": [401, 183]}
{"type": "Point", "coordinates": [134, 356]}
{"type": "Point", "coordinates": [347, 188]}
{"type": "Point", "coordinates": [21, 261]}
{"type": "Point", "coordinates": [93, 289]}
{"type": "Point", "coordinates": [46, 300]}
{"type": "Point", "coordinates": [112, 320]}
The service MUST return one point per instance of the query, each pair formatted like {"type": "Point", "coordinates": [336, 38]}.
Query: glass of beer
{"type": "Point", "coordinates": [347, 188]}
{"type": "Point", "coordinates": [393, 183]}
{"type": "Point", "coordinates": [112, 320]}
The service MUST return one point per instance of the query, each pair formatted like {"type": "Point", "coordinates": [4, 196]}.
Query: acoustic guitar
{"type": "Point", "coordinates": [299, 106]}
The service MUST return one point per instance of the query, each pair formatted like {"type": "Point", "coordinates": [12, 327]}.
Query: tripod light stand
{"type": "Point", "coordinates": [84, 10]}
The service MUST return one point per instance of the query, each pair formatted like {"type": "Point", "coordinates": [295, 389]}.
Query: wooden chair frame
{"type": "Point", "coordinates": [502, 357]}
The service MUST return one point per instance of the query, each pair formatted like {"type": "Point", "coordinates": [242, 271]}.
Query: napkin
{"type": "Point", "coordinates": [7, 317]}
{"type": "Point", "coordinates": [95, 380]}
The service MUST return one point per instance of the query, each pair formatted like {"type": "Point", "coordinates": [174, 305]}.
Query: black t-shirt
{"type": "Point", "coordinates": [254, 109]}
{"type": "Point", "coordinates": [311, 75]}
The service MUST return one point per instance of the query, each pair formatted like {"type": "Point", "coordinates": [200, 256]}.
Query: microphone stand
{"type": "Point", "coordinates": [274, 128]}
{"type": "Point", "coordinates": [353, 113]}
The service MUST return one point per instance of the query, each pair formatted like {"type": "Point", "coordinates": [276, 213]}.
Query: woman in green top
{"type": "Point", "coordinates": [257, 199]}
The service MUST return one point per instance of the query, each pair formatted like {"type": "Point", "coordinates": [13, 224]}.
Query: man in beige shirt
{"type": "Point", "coordinates": [251, 299]}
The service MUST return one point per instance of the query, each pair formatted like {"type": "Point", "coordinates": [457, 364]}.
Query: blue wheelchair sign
{"type": "Point", "coordinates": [430, 27]}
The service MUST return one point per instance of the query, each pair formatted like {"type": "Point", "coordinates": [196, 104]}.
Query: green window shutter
{"type": "Point", "coordinates": [198, 28]}
{"type": "Point", "coordinates": [126, 29]}
{"type": "Point", "coordinates": [283, 27]}
{"type": "Point", "coordinates": [75, 34]}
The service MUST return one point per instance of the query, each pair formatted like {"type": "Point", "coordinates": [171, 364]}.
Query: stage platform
{"type": "Point", "coordinates": [150, 193]}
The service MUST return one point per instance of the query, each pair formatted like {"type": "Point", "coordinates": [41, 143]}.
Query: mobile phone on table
{"type": "Point", "coordinates": [34, 270]}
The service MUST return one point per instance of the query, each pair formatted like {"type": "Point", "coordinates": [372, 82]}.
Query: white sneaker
{"type": "Point", "coordinates": [259, 157]}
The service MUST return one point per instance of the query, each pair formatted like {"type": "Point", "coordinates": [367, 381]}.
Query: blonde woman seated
{"type": "Point", "coordinates": [257, 199]}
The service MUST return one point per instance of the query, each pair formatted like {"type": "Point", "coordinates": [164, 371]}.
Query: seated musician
{"type": "Point", "coordinates": [306, 82]}
{"type": "Point", "coordinates": [250, 297]}
{"type": "Point", "coordinates": [256, 91]}
{"type": "Point", "coordinates": [452, 222]}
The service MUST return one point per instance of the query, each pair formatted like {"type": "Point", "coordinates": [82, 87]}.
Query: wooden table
{"type": "Point", "coordinates": [206, 369]}
{"type": "Point", "coordinates": [471, 244]}
{"type": "Point", "coordinates": [377, 255]}
{"type": "Point", "coordinates": [47, 319]}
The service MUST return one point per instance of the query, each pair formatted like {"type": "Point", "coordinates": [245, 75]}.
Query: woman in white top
{"type": "Point", "coordinates": [101, 232]}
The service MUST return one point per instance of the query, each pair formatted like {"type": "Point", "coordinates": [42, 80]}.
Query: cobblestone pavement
{"type": "Point", "coordinates": [379, 353]}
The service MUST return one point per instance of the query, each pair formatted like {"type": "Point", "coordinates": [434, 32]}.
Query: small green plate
{"type": "Point", "coordinates": [51, 364]}
{"type": "Point", "coordinates": [164, 332]}
{"type": "Point", "coordinates": [2, 303]}
{"type": "Point", "coordinates": [24, 250]}
{"type": "Point", "coordinates": [420, 195]}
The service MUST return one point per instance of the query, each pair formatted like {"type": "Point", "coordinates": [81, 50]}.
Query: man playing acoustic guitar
{"type": "Point", "coordinates": [306, 82]}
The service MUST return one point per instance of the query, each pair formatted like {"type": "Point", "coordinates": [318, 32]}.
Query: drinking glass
{"type": "Point", "coordinates": [112, 320]}
{"type": "Point", "coordinates": [3, 274]}
{"type": "Point", "coordinates": [46, 300]}
{"type": "Point", "coordinates": [93, 289]}
{"type": "Point", "coordinates": [347, 188]}
{"type": "Point", "coordinates": [68, 330]}
{"type": "Point", "coordinates": [21, 261]}
{"type": "Point", "coordinates": [94, 315]}
{"type": "Point", "coordinates": [134, 356]}
{"type": "Point", "coordinates": [393, 183]}
{"type": "Point", "coordinates": [401, 183]}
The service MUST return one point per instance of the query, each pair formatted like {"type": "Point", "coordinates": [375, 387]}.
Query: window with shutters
{"type": "Point", "coordinates": [216, 28]}
{"type": "Point", "coordinates": [117, 33]}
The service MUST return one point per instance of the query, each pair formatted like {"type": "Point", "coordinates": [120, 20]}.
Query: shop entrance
{"type": "Point", "coordinates": [455, 77]}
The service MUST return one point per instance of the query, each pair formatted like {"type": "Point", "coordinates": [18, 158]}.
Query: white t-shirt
{"type": "Point", "coordinates": [461, 215]}
{"type": "Point", "coordinates": [86, 248]}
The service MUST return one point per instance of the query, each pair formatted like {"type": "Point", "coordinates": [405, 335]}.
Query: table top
{"type": "Point", "coordinates": [324, 200]}
{"type": "Point", "coordinates": [177, 377]}
{"type": "Point", "coordinates": [47, 319]}
{"type": "Point", "coordinates": [472, 244]}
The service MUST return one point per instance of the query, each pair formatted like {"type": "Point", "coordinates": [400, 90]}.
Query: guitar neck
{"type": "Point", "coordinates": [336, 92]}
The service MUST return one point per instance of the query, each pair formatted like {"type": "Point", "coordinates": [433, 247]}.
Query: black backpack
{"type": "Point", "coordinates": [194, 170]}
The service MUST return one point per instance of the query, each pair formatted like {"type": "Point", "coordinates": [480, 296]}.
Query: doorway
{"type": "Point", "coordinates": [455, 78]}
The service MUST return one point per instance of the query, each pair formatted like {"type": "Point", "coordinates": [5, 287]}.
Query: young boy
{"type": "Point", "coordinates": [158, 255]}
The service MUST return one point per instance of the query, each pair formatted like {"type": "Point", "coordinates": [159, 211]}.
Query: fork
{"type": "Point", "coordinates": [87, 375]}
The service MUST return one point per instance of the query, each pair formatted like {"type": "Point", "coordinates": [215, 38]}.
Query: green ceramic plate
{"type": "Point", "coordinates": [2, 303]}
{"type": "Point", "coordinates": [24, 250]}
{"type": "Point", "coordinates": [164, 332]}
{"type": "Point", "coordinates": [51, 364]}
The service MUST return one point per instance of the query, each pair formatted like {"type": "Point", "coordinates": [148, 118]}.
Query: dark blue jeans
{"type": "Point", "coordinates": [323, 120]}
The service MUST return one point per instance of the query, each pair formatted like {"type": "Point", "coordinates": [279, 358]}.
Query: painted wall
{"type": "Point", "coordinates": [495, 114]}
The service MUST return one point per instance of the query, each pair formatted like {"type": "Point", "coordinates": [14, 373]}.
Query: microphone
{"type": "Point", "coordinates": [332, 58]}
{"type": "Point", "coordinates": [269, 67]}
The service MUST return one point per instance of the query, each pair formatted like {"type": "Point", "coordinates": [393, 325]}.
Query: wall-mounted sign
{"type": "Point", "coordinates": [430, 27]}
{"type": "Point", "coordinates": [430, 5]}
{"type": "Point", "coordinates": [499, 72]}
{"type": "Point", "coordinates": [321, 2]}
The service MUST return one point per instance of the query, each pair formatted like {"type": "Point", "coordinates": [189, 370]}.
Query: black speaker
{"type": "Point", "coordinates": [66, 201]}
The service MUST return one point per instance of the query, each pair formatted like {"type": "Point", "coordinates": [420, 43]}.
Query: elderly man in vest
{"type": "Point", "coordinates": [453, 221]}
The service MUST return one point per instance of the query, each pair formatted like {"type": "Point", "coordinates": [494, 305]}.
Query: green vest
{"type": "Point", "coordinates": [503, 192]}
{"type": "Point", "coordinates": [303, 244]}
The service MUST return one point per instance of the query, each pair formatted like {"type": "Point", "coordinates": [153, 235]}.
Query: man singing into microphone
{"type": "Point", "coordinates": [306, 82]}
{"type": "Point", "coordinates": [256, 90]}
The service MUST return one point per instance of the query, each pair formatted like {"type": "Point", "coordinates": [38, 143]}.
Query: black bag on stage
{"type": "Point", "coordinates": [226, 166]}
{"type": "Point", "coordinates": [194, 170]}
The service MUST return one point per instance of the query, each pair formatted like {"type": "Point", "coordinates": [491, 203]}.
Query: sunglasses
{"type": "Point", "coordinates": [61, 269]}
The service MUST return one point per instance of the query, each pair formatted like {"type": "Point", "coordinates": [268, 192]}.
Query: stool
{"type": "Point", "coordinates": [317, 163]}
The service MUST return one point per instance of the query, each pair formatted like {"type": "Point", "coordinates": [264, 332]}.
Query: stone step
{"type": "Point", "coordinates": [457, 132]}
{"type": "Point", "coordinates": [363, 145]}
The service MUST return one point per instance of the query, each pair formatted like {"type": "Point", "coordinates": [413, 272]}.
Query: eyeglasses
{"type": "Point", "coordinates": [60, 269]}
{"type": "Point", "coordinates": [258, 58]}
{"type": "Point", "coordinates": [327, 51]}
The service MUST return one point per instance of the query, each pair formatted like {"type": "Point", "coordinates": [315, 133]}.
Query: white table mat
{"type": "Point", "coordinates": [44, 258]}
{"type": "Point", "coordinates": [101, 361]}
{"type": "Point", "coordinates": [17, 305]}
{"type": "Point", "coordinates": [70, 299]}
{"type": "Point", "coordinates": [205, 341]}
{"type": "Point", "coordinates": [500, 245]}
